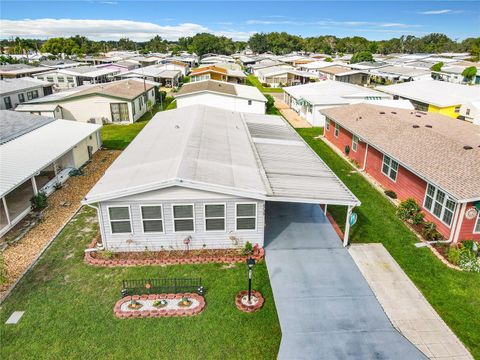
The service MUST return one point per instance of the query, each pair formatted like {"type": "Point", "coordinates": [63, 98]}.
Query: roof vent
{"type": "Point", "coordinates": [467, 147]}
{"type": "Point", "coordinates": [382, 112]}
{"type": "Point", "coordinates": [417, 115]}
{"type": "Point", "coordinates": [177, 127]}
{"type": "Point", "coordinates": [416, 126]}
{"type": "Point", "coordinates": [394, 112]}
{"type": "Point", "coordinates": [428, 126]}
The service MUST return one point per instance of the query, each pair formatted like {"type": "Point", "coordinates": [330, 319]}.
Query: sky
{"type": "Point", "coordinates": [141, 20]}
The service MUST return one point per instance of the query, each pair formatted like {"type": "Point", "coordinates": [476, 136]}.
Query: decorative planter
{"type": "Point", "coordinates": [159, 305]}
{"type": "Point", "coordinates": [256, 303]}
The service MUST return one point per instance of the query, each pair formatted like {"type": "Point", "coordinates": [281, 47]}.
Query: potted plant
{"type": "Point", "coordinates": [184, 302]}
{"type": "Point", "coordinates": [134, 305]}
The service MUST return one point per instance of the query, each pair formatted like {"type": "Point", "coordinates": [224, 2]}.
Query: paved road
{"type": "Point", "coordinates": [325, 306]}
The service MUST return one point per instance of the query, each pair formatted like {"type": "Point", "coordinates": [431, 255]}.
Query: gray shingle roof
{"type": "Point", "coordinates": [14, 124]}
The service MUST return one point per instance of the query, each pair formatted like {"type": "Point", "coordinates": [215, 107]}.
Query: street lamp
{"type": "Point", "coordinates": [250, 264]}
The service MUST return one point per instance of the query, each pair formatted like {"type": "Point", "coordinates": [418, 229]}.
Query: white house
{"type": "Point", "coordinates": [234, 97]}
{"type": "Point", "coordinates": [205, 174]}
{"type": "Point", "coordinates": [283, 76]}
{"type": "Point", "coordinates": [165, 74]}
{"type": "Point", "coordinates": [123, 101]}
{"type": "Point", "coordinates": [18, 90]}
{"type": "Point", "coordinates": [37, 152]}
{"type": "Point", "coordinates": [307, 100]}
{"type": "Point", "coordinates": [77, 76]}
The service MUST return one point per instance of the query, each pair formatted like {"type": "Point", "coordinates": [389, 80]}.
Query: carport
{"type": "Point", "coordinates": [325, 306]}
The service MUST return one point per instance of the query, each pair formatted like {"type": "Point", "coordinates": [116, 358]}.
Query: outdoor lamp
{"type": "Point", "coordinates": [250, 264]}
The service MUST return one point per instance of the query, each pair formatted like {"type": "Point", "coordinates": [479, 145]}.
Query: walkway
{"type": "Point", "coordinates": [405, 305]}
{"type": "Point", "coordinates": [292, 117]}
{"type": "Point", "coordinates": [325, 306]}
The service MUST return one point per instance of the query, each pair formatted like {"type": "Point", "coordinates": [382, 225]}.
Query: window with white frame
{"type": "Point", "coordinates": [476, 229]}
{"type": "Point", "coordinates": [183, 218]}
{"type": "Point", "coordinates": [152, 219]}
{"type": "Point", "coordinates": [337, 130]}
{"type": "Point", "coordinates": [120, 219]}
{"type": "Point", "coordinates": [214, 217]}
{"type": "Point", "coordinates": [327, 124]}
{"type": "Point", "coordinates": [354, 143]}
{"type": "Point", "coordinates": [439, 204]}
{"type": "Point", "coordinates": [390, 167]}
{"type": "Point", "coordinates": [246, 216]}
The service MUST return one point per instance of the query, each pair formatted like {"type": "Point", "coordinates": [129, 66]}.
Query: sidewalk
{"type": "Point", "coordinates": [292, 117]}
{"type": "Point", "coordinates": [404, 304]}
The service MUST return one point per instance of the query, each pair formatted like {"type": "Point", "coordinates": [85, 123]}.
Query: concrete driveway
{"type": "Point", "coordinates": [325, 306]}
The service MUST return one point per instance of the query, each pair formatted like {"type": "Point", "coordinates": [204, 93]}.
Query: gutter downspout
{"type": "Point", "coordinates": [365, 158]}
{"type": "Point", "coordinates": [102, 230]}
{"type": "Point", "coordinates": [459, 225]}
{"type": "Point", "coordinates": [454, 233]}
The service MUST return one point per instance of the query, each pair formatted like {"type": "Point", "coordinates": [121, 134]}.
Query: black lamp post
{"type": "Point", "coordinates": [250, 264]}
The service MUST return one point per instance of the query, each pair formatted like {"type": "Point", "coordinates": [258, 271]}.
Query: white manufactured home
{"type": "Point", "coordinates": [221, 94]}
{"type": "Point", "coordinates": [37, 152]}
{"type": "Point", "coordinates": [204, 174]}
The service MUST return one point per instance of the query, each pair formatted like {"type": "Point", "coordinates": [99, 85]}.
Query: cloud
{"type": "Point", "coordinates": [331, 23]}
{"type": "Point", "coordinates": [440, 12]}
{"type": "Point", "coordinates": [106, 29]}
{"type": "Point", "coordinates": [109, 2]}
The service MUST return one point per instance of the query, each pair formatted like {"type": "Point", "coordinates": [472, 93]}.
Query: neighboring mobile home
{"type": "Point", "coordinates": [224, 95]}
{"type": "Point", "coordinates": [77, 76]}
{"type": "Point", "coordinates": [123, 101]}
{"type": "Point", "coordinates": [453, 100]}
{"type": "Point", "coordinates": [203, 175]}
{"type": "Point", "coordinates": [16, 91]}
{"type": "Point", "coordinates": [428, 157]}
{"type": "Point", "coordinates": [12, 71]}
{"type": "Point", "coordinates": [217, 73]}
{"type": "Point", "coordinates": [307, 100]}
{"type": "Point", "coordinates": [36, 152]}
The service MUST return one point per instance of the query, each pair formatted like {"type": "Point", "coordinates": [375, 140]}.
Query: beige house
{"type": "Point", "coordinates": [123, 101]}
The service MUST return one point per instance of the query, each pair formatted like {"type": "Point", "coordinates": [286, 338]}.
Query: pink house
{"type": "Point", "coordinates": [429, 157]}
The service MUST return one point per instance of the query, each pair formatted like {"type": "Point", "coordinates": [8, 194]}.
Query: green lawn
{"type": "Point", "coordinates": [117, 137]}
{"type": "Point", "coordinates": [68, 310]}
{"type": "Point", "coordinates": [455, 295]}
{"type": "Point", "coordinates": [252, 80]}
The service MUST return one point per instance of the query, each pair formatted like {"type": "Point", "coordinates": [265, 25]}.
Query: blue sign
{"type": "Point", "coordinates": [353, 218]}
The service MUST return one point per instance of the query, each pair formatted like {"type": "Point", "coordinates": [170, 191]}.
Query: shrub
{"type": "Point", "coordinates": [430, 232]}
{"type": "Point", "coordinates": [468, 244]}
{"type": "Point", "coordinates": [391, 194]}
{"type": "Point", "coordinates": [453, 255]}
{"type": "Point", "coordinates": [247, 248]}
{"type": "Point", "coordinates": [408, 210]}
{"type": "Point", "coordinates": [39, 201]}
{"type": "Point", "coordinates": [186, 79]}
{"type": "Point", "coordinates": [106, 254]}
{"type": "Point", "coordinates": [418, 218]}
{"type": "Point", "coordinates": [270, 104]}
{"type": "Point", "coordinates": [468, 261]}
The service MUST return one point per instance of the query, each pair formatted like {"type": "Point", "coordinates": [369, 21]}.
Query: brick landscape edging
{"type": "Point", "coordinates": [245, 308]}
{"type": "Point", "coordinates": [117, 310]}
{"type": "Point", "coordinates": [203, 259]}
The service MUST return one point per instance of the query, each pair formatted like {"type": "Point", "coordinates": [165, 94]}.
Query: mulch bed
{"type": "Point", "coordinates": [169, 257]}
{"type": "Point", "coordinates": [62, 204]}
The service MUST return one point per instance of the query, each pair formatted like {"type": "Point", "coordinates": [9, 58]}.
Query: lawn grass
{"type": "Point", "coordinates": [69, 310]}
{"type": "Point", "coordinates": [455, 295]}
{"type": "Point", "coordinates": [117, 137]}
{"type": "Point", "coordinates": [253, 81]}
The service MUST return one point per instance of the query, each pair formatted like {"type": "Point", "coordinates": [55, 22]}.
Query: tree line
{"type": "Point", "coordinates": [275, 42]}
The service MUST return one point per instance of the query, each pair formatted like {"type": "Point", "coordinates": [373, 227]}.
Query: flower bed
{"type": "Point", "coordinates": [256, 303]}
{"type": "Point", "coordinates": [172, 257]}
{"type": "Point", "coordinates": [159, 305]}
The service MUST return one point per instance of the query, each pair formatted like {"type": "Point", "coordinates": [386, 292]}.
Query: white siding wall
{"type": "Point", "coordinates": [80, 152]}
{"type": "Point", "coordinates": [169, 239]}
{"type": "Point", "coordinates": [224, 102]}
{"type": "Point", "coordinates": [54, 76]}
{"type": "Point", "coordinates": [140, 110]}
{"type": "Point", "coordinates": [14, 97]}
